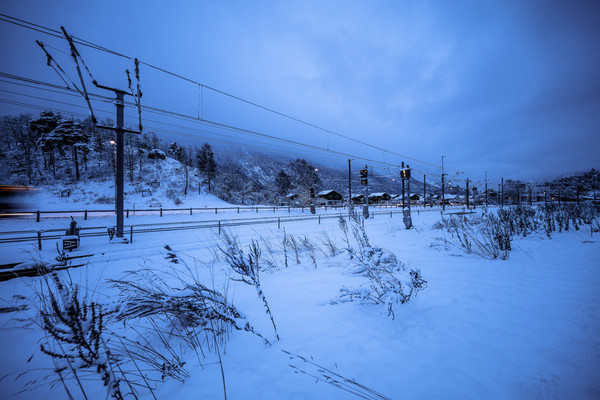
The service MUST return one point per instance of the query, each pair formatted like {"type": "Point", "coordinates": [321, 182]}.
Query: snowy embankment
{"type": "Point", "coordinates": [523, 328]}
{"type": "Point", "coordinates": [100, 195]}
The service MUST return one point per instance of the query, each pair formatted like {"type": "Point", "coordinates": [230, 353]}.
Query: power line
{"type": "Point", "coordinates": [215, 124]}
{"type": "Point", "coordinates": [192, 119]}
{"type": "Point", "coordinates": [49, 31]}
{"type": "Point", "coordinates": [82, 115]}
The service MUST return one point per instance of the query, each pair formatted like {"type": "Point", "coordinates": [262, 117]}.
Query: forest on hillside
{"type": "Point", "coordinates": [50, 149]}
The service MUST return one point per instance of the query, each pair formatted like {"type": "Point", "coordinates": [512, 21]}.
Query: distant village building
{"type": "Point", "coordinates": [379, 197]}
{"type": "Point", "coordinates": [330, 197]}
{"type": "Point", "coordinates": [291, 198]}
{"type": "Point", "coordinates": [358, 198]}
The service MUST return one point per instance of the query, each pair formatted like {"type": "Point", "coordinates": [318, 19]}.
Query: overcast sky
{"type": "Point", "coordinates": [508, 87]}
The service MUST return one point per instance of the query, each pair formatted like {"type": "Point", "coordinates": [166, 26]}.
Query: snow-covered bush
{"type": "Point", "coordinates": [75, 331]}
{"type": "Point", "coordinates": [390, 282]}
{"type": "Point", "coordinates": [595, 225]}
{"type": "Point", "coordinates": [487, 236]}
{"type": "Point", "coordinates": [156, 154]}
{"type": "Point", "coordinates": [330, 246]}
{"type": "Point", "coordinates": [246, 266]}
{"type": "Point", "coordinates": [490, 235]}
{"type": "Point", "coordinates": [187, 304]}
{"type": "Point", "coordinates": [173, 194]}
{"type": "Point", "coordinates": [105, 200]}
{"type": "Point", "coordinates": [165, 309]}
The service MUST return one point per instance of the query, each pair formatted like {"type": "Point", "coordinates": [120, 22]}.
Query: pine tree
{"type": "Point", "coordinates": [69, 133]}
{"type": "Point", "coordinates": [283, 182]}
{"type": "Point", "coordinates": [41, 129]}
{"type": "Point", "coordinates": [206, 162]}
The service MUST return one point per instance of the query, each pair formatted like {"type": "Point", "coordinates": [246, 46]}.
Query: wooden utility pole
{"type": "Point", "coordinates": [486, 190]}
{"type": "Point", "coordinates": [424, 188]}
{"type": "Point", "coordinates": [366, 207]}
{"type": "Point", "coordinates": [408, 186]}
{"type": "Point", "coordinates": [349, 188]}
{"type": "Point", "coordinates": [530, 196]}
{"type": "Point", "coordinates": [502, 194]}
{"type": "Point", "coordinates": [403, 202]}
{"type": "Point", "coordinates": [468, 193]}
{"type": "Point", "coordinates": [443, 194]}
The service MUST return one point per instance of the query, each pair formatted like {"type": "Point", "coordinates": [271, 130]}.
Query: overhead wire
{"type": "Point", "coordinates": [293, 145]}
{"type": "Point", "coordinates": [104, 49]}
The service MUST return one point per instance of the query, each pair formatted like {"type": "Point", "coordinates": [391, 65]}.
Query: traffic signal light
{"type": "Point", "coordinates": [405, 174]}
{"type": "Point", "coordinates": [364, 173]}
{"type": "Point", "coordinates": [312, 192]}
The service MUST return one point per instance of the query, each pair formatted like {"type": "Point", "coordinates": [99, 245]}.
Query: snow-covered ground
{"type": "Point", "coordinates": [524, 328]}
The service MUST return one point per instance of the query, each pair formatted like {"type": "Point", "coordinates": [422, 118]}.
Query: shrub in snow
{"type": "Point", "coordinates": [595, 225]}
{"type": "Point", "coordinates": [246, 266]}
{"type": "Point", "coordinates": [167, 309]}
{"type": "Point", "coordinates": [189, 306]}
{"type": "Point", "coordinates": [295, 245]}
{"type": "Point", "coordinates": [310, 248]}
{"type": "Point", "coordinates": [331, 248]}
{"type": "Point", "coordinates": [390, 282]}
{"type": "Point", "coordinates": [285, 241]}
{"type": "Point", "coordinates": [488, 237]}
{"type": "Point", "coordinates": [173, 194]}
{"type": "Point", "coordinates": [156, 154]}
{"type": "Point", "coordinates": [105, 200]}
{"type": "Point", "coordinates": [76, 328]}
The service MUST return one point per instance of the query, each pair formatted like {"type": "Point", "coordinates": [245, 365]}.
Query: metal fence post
{"type": "Point", "coordinates": [219, 227]}
{"type": "Point", "coordinates": [278, 223]}
{"type": "Point", "coordinates": [216, 210]}
{"type": "Point", "coordinates": [131, 234]}
{"type": "Point", "coordinates": [190, 210]}
{"type": "Point", "coordinates": [85, 215]}
{"type": "Point", "coordinates": [161, 211]}
{"type": "Point", "coordinates": [128, 213]}
{"type": "Point", "coordinates": [38, 216]}
{"type": "Point", "coordinates": [39, 234]}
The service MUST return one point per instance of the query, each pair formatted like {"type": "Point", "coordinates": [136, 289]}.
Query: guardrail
{"type": "Point", "coordinates": [38, 214]}
{"type": "Point", "coordinates": [54, 234]}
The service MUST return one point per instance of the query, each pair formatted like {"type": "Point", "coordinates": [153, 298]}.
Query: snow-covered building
{"type": "Point", "coordinates": [292, 197]}
{"type": "Point", "coordinates": [358, 198]}
{"type": "Point", "coordinates": [330, 197]}
{"type": "Point", "coordinates": [379, 197]}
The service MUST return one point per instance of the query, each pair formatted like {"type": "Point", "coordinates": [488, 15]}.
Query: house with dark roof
{"type": "Point", "coordinates": [379, 197]}
{"type": "Point", "coordinates": [330, 197]}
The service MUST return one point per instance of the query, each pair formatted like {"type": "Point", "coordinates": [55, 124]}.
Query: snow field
{"type": "Point", "coordinates": [524, 328]}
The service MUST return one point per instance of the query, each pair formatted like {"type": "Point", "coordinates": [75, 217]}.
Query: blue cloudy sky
{"type": "Point", "coordinates": [508, 87]}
